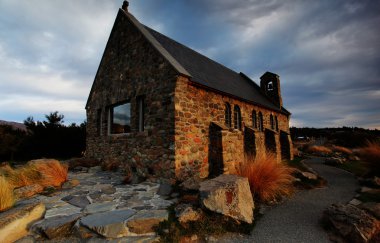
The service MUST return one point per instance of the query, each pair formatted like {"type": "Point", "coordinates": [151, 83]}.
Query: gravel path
{"type": "Point", "coordinates": [297, 219]}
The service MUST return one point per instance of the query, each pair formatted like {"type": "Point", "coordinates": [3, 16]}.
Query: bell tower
{"type": "Point", "coordinates": [270, 86]}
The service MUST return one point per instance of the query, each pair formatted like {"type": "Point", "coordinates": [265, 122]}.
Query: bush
{"type": "Point", "coordinates": [319, 149]}
{"type": "Point", "coordinates": [268, 179]}
{"type": "Point", "coordinates": [341, 149]}
{"type": "Point", "coordinates": [6, 194]}
{"type": "Point", "coordinates": [371, 157]}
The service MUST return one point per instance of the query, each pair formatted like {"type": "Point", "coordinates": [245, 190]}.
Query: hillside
{"type": "Point", "coordinates": [15, 125]}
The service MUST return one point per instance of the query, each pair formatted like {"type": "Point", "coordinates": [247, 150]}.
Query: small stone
{"type": "Point", "coordinates": [109, 189]}
{"type": "Point", "coordinates": [28, 191]}
{"type": "Point", "coordinates": [309, 175]}
{"type": "Point", "coordinates": [355, 202]}
{"type": "Point", "coordinates": [59, 226]}
{"type": "Point", "coordinates": [164, 189]}
{"type": "Point", "coordinates": [109, 224]}
{"type": "Point", "coordinates": [70, 184]}
{"type": "Point", "coordinates": [144, 221]}
{"type": "Point", "coordinates": [79, 201]}
{"type": "Point", "coordinates": [186, 213]}
{"type": "Point", "coordinates": [14, 223]}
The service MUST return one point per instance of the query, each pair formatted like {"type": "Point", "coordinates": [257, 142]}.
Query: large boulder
{"type": "Point", "coordinates": [14, 223]}
{"type": "Point", "coordinates": [229, 195]}
{"type": "Point", "coordinates": [352, 223]}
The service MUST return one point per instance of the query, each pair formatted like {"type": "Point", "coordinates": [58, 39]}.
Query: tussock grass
{"type": "Point", "coordinates": [53, 172]}
{"type": "Point", "coordinates": [43, 172]}
{"type": "Point", "coordinates": [370, 154]}
{"type": "Point", "coordinates": [341, 149]}
{"type": "Point", "coordinates": [319, 149]}
{"type": "Point", "coordinates": [268, 179]}
{"type": "Point", "coordinates": [7, 199]}
{"type": "Point", "coordinates": [23, 176]}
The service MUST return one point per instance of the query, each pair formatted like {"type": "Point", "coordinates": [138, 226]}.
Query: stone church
{"type": "Point", "coordinates": [166, 110]}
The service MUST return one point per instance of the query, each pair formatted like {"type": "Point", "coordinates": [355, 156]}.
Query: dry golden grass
{"type": "Point", "coordinates": [6, 194]}
{"type": "Point", "coordinates": [371, 157]}
{"type": "Point", "coordinates": [23, 176]}
{"type": "Point", "coordinates": [341, 149]}
{"type": "Point", "coordinates": [268, 179]}
{"type": "Point", "coordinates": [319, 149]}
{"type": "Point", "coordinates": [43, 172]}
{"type": "Point", "coordinates": [53, 172]}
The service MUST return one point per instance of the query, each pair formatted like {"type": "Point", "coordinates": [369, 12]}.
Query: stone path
{"type": "Point", "coordinates": [101, 202]}
{"type": "Point", "coordinates": [297, 220]}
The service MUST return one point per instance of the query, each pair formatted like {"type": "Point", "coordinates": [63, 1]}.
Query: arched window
{"type": "Point", "coordinates": [271, 122]}
{"type": "Point", "coordinates": [254, 119]}
{"type": "Point", "coordinates": [275, 119]}
{"type": "Point", "coordinates": [227, 115]}
{"type": "Point", "coordinates": [237, 117]}
{"type": "Point", "coordinates": [261, 123]}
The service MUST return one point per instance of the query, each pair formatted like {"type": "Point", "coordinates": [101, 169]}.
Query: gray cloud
{"type": "Point", "coordinates": [326, 52]}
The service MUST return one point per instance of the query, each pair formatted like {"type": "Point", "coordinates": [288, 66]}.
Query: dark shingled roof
{"type": "Point", "coordinates": [209, 73]}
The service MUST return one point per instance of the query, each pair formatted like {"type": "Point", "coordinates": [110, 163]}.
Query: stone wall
{"type": "Point", "coordinates": [131, 67]}
{"type": "Point", "coordinates": [195, 110]}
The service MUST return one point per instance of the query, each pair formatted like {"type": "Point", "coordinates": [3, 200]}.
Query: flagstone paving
{"type": "Point", "coordinates": [101, 195]}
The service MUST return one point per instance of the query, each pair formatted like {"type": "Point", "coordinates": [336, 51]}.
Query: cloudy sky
{"type": "Point", "coordinates": [326, 52]}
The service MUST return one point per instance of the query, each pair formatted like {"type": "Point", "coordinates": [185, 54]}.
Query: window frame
{"type": "Point", "coordinates": [271, 120]}
{"type": "Point", "coordinates": [276, 122]}
{"type": "Point", "coordinates": [254, 119]}
{"type": "Point", "coordinates": [227, 114]}
{"type": "Point", "coordinates": [237, 117]}
{"type": "Point", "coordinates": [111, 117]}
{"type": "Point", "coordinates": [140, 102]}
{"type": "Point", "coordinates": [261, 122]}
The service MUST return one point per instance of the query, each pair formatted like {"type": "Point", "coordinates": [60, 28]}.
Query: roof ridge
{"type": "Point", "coordinates": [191, 49]}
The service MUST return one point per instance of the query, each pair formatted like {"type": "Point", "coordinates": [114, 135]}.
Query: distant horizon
{"type": "Point", "coordinates": [325, 52]}
{"type": "Point", "coordinates": [78, 123]}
